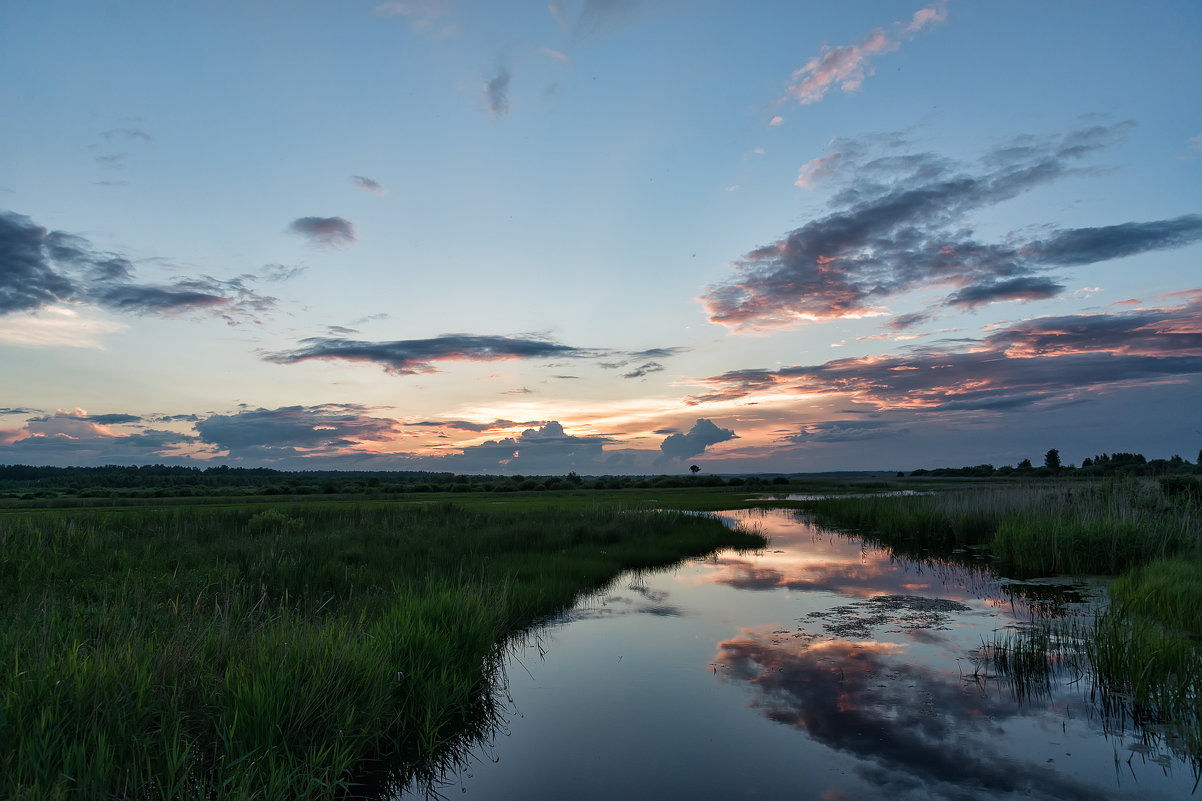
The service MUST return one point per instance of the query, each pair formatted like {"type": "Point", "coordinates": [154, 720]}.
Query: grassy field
{"type": "Point", "coordinates": [252, 651]}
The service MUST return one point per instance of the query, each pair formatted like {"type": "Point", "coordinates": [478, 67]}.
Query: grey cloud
{"type": "Point", "coordinates": [1089, 245]}
{"type": "Point", "coordinates": [325, 231]}
{"type": "Point", "coordinates": [464, 425]}
{"type": "Point", "coordinates": [127, 134]}
{"type": "Point", "coordinates": [276, 273]}
{"type": "Point", "coordinates": [703, 434]}
{"type": "Point", "coordinates": [1047, 359]}
{"type": "Point", "coordinates": [644, 369]}
{"type": "Point", "coordinates": [369, 185]}
{"type": "Point", "coordinates": [496, 94]}
{"type": "Point", "coordinates": [843, 431]}
{"type": "Point", "coordinates": [292, 431]}
{"type": "Point", "coordinates": [901, 224]}
{"type": "Point", "coordinates": [1029, 288]}
{"type": "Point", "coordinates": [413, 356]}
{"type": "Point", "coordinates": [545, 450]}
{"type": "Point", "coordinates": [43, 267]}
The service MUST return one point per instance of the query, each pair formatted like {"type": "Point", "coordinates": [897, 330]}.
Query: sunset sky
{"type": "Point", "coordinates": [608, 236]}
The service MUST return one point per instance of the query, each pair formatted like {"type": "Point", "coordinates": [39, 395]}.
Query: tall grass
{"type": "Point", "coordinates": [1037, 528]}
{"type": "Point", "coordinates": [272, 653]}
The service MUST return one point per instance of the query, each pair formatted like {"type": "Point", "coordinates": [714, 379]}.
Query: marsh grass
{"type": "Point", "coordinates": [273, 653]}
{"type": "Point", "coordinates": [1101, 527]}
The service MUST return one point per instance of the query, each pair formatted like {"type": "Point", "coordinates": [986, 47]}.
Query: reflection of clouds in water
{"type": "Point", "coordinates": [807, 558]}
{"type": "Point", "coordinates": [902, 719]}
{"type": "Point", "coordinates": [645, 601]}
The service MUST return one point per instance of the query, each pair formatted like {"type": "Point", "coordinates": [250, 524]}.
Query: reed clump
{"type": "Point", "coordinates": [213, 653]}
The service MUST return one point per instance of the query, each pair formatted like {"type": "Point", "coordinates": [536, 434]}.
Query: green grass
{"type": "Point", "coordinates": [1102, 527]}
{"type": "Point", "coordinates": [276, 651]}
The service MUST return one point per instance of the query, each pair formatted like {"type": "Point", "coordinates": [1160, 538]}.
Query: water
{"type": "Point", "coordinates": [786, 674]}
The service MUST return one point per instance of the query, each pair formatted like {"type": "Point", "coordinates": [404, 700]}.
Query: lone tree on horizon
{"type": "Point", "coordinates": [695, 469]}
{"type": "Point", "coordinates": [1051, 459]}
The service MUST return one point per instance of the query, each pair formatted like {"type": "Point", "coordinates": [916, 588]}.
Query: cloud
{"type": "Point", "coordinates": [644, 369]}
{"type": "Point", "coordinates": [556, 55]}
{"type": "Point", "coordinates": [414, 356]}
{"type": "Point", "coordinates": [846, 67]}
{"type": "Point", "coordinates": [77, 438]}
{"type": "Point", "coordinates": [598, 17]}
{"type": "Point", "coordinates": [43, 268]}
{"type": "Point", "coordinates": [496, 94]}
{"type": "Point", "coordinates": [703, 434]}
{"type": "Point", "coordinates": [1038, 361]}
{"type": "Point", "coordinates": [128, 134]}
{"type": "Point", "coordinates": [423, 15]}
{"type": "Point", "coordinates": [464, 425]}
{"type": "Point", "coordinates": [325, 231]}
{"type": "Point", "coordinates": [776, 122]}
{"type": "Point", "coordinates": [545, 450]}
{"type": "Point", "coordinates": [557, 11]}
{"type": "Point", "coordinates": [842, 431]}
{"type": "Point", "coordinates": [278, 273]}
{"type": "Point", "coordinates": [899, 223]}
{"type": "Point", "coordinates": [815, 170]}
{"type": "Point", "coordinates": [1195, 142]}
{"type": "Point", "coordinates": [267, 435]}
{"type": "Point", "coordinates": [369, 185]}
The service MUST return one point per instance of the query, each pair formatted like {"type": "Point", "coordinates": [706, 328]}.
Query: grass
{"type": "Point", "coordinates": [1101, 527]}
{"type": "Point", "coordinates": [278, 651]}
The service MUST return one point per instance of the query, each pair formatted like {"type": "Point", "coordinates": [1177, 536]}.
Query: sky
{"type": "Point", "coordinates": [601, 236]}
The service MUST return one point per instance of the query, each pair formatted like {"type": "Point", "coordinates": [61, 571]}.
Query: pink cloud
{"type": "Point", "coordinates": [845, 67]}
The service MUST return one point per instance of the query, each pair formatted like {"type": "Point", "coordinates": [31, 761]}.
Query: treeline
{"type": "Point", "coordinates": [158, 481]}
{"type": "Point", "coordinates": [1104, 464]}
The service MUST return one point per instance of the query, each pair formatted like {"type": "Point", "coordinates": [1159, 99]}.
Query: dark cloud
{"type": "Point", "coordinates": [1027, 288]}
{"type": "Point", "coordinates": [43, 267]}
{"type": "Point", "coordinates": [1035, 361]}
{"type": "Point", "coordinates": [113, 419]}
{"type": "Point", "coordinates": [643, 369]}
{"type": "Point", "coordinates": [75, 438]}
{"type": "Point", "coordinates": [464, 425]}
{"type": "Point", "coordinates": [496, 94]}
{"type": "Point", "coordinates": [703, 434]}
{"type": "Point", "coordinates": [547, 450]}
{"type": "Point", "coordinates": [843, 431]}
{"type": "Point", "coordinates": [1090, 245]}
{"type": "Point", "coordinates": [413, 356]}
{"type": "Point", "coordinates": [369, 185]}
{"type": "Point", "coordinates": [324, 231]}
{"type": "Point", "coordinates": [900, 223]}
{"type": "Point", "coordinates": [275, 273]}
{"type": "Point", "coordinates": [295, 431]}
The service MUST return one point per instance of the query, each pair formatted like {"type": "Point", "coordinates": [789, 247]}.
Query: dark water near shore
{"type": "Point", "coordinates": [819, 668]}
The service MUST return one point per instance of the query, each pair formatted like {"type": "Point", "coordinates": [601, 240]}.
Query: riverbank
{"type": "Point", "coordinates": [274, 650]}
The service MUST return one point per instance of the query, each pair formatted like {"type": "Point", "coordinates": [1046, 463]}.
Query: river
{"type": "Point", "coordinates": [819, 668]}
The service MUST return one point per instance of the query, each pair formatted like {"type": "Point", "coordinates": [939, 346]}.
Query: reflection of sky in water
{"type": "Point", "coordinates": [783, 673]}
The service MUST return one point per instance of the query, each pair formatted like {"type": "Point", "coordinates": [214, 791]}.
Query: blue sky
{"type": "Point", "coordinates": [607, 236]}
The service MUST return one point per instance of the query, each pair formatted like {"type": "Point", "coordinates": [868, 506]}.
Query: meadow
{"type": "Point", "coordinates": [283, 651]}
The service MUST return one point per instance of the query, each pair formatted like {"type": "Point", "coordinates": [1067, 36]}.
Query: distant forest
{"type": "Point", "coordinates": [27, 482]}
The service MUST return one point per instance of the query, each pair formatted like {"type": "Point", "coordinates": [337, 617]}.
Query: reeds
{"type": "Point", "coordinates": [215, 653]}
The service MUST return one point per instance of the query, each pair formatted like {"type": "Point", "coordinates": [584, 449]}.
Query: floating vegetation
{"type": "Point", "coordinates": [905, 611]}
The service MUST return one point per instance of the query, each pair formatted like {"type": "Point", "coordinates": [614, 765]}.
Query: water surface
{"type": "Point", "coordinates": [820, 668]}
